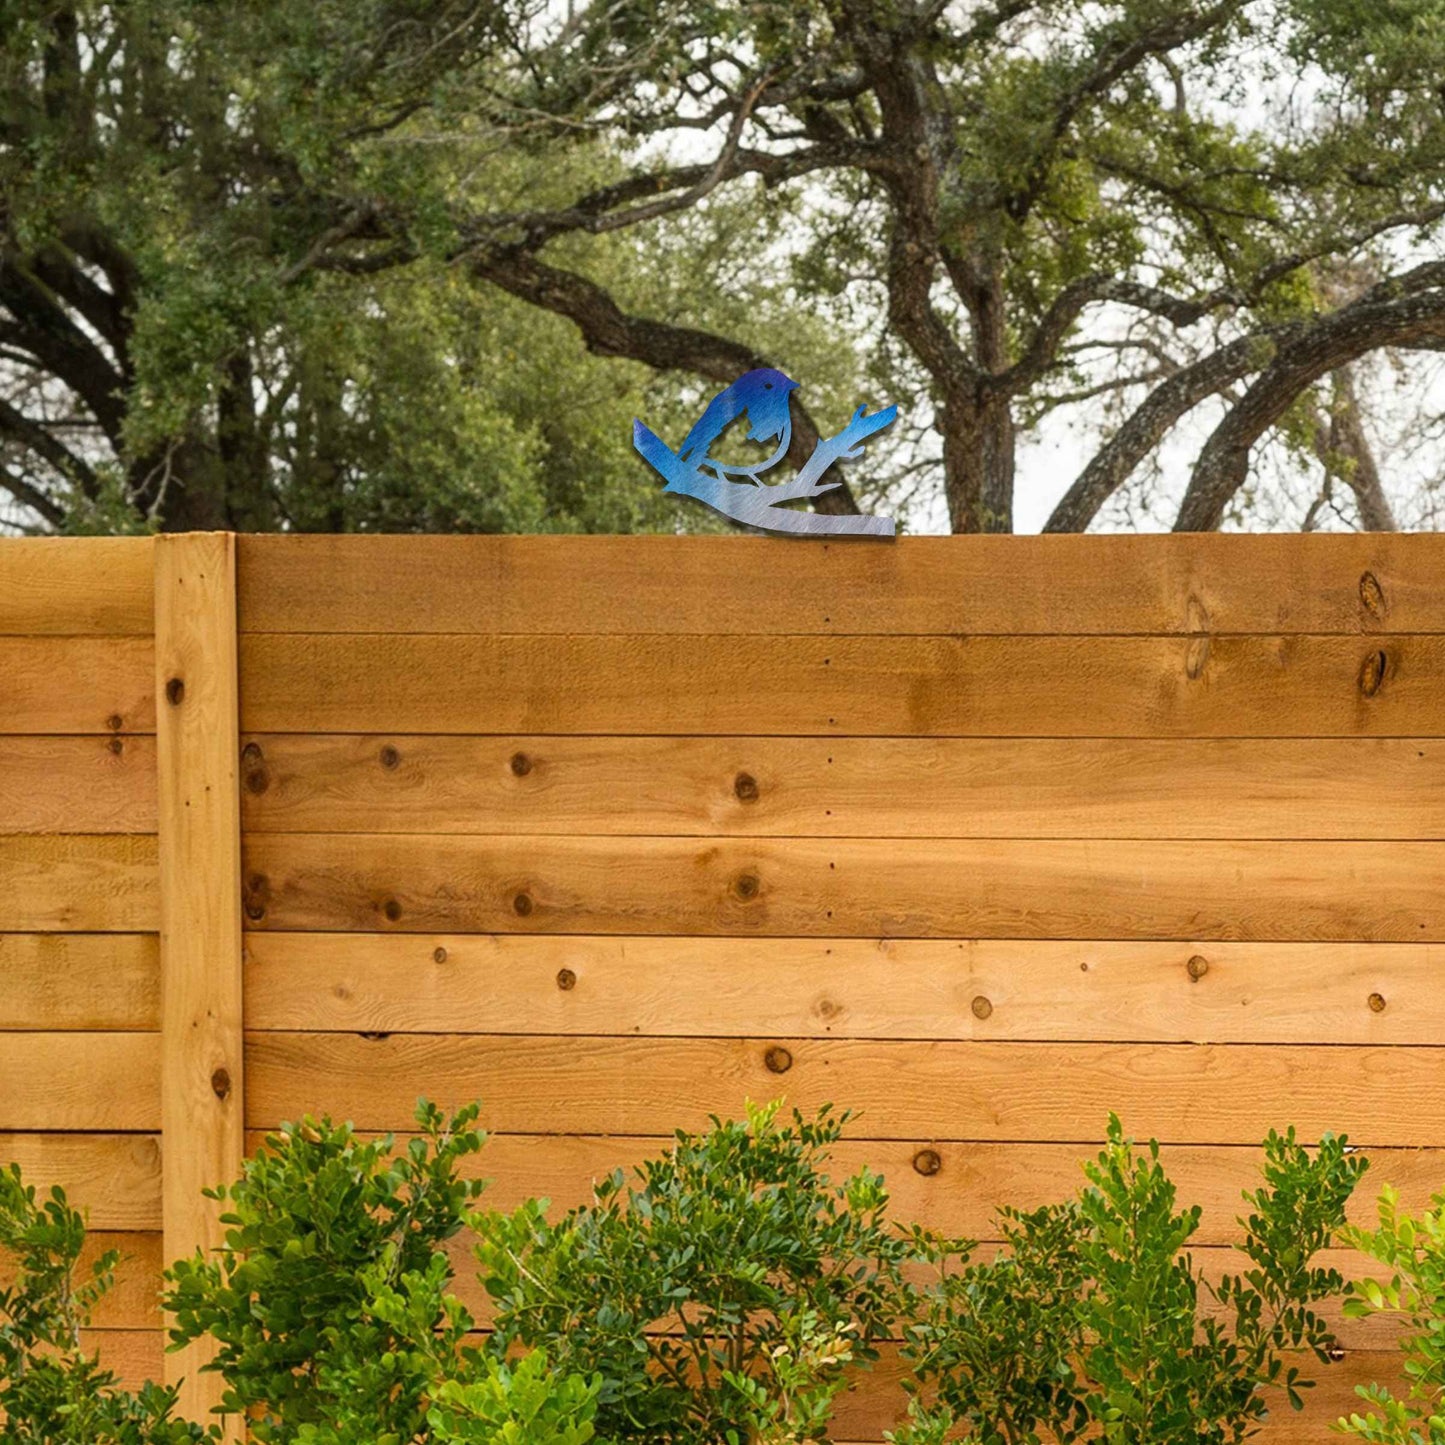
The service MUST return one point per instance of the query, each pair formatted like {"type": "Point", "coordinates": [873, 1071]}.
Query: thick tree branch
{"type": "Point", "coordinates": [1326, 346]}
{"type": "Point", "coordinates": [1126, 450]}
{"type": "Point", "coordinates": [34, 437]}
{"type": "Point", "coordinates": [1345, 452]}
{"type": "Point", "coordinates": [607, 330]}
{"type": "Point", "coordinates": [41, 327]}
{"type": "Point", "coordinates": [31, 496]}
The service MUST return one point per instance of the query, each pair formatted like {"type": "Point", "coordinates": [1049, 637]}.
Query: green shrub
{"type": "Point", "coordinates": [719, 1297]}
{"type": "Point", "coordinates": [330, 1301]}
{"type": "Point", "coordinates": [53, 1392]}
{"type": "Point", "coordinates": [1413, 1250]}
{"type": "Point", "coordinates": [1093, 1318]}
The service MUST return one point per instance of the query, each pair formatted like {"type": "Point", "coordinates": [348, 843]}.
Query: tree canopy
{"type": "Point", "coordinates": [400, 264]}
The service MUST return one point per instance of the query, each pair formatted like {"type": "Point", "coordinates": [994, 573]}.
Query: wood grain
{"type": "Point", "coordinates": [98, 586]}
{"type": "Point", "coordinates": [857, 887]}
{"type": "Point", "coordinates": [1350, 788]}
{"type": "Point", "coordinates": [202, 1094]}
{"type": "Point", "coordinates": [1114, 584]}
{"type": "Point", "coordinates": [80, 1081]}
{"type": "Point", "coordinates": [1201, 992]}
{"type": "Point", "coordinates": [76, 685]}
{"type": "Point", "coordinates": [1304, 686]}
{"type": "Point", "coordinates": [114, 1178]}
{"type": "Point", "coordinates": [945, 1184]}
{"type": "Point", "coordinates": [77, 785]}
{"type": "Point", "coordinates": [89, 883]}
{"type": "Point", "coordinates": [133, 1301]}
{"type": "Point", "coordinates": [79, 981]}
{"type": "Point", "coordinates": [1188, 1094]}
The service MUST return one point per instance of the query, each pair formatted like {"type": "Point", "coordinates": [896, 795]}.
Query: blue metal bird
{"type": "Point", "coordinates": [739, 491]}
{"type": "Point", "coordinates": [762, 397]}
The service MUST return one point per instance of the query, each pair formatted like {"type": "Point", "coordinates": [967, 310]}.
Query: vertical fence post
{"type": "Point", "coordinates": [197, 727]}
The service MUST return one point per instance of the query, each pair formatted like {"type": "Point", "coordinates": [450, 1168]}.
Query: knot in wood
{"type": "Point", "coordinates": [1377, 1003]}
{"type": "Point", "coordinates": [175, 691]}
{"type": "Point", "coordinates": [115, 722]}
{"type": "Point", "coordinates": [927, 1162]}
{"type": "Point", "coordinates": [1372, 596]}
{"type": "Point", "coordinates": [746, 886]}
{"type": "Point", "coordinates": [778, 1059]}
{"type": "Point", "coordinates": [566, 980]}
{"type": "Point", "coordinates": [252, 754]}
{"type": "Point", "coordinates": [391, 910]}
{"type": "Point", "coordinates": [389, 758]}
{"type": "Point", "coordinates": [522, 905]}
{"type": "Point", "coordinates": [439, 955]}
{"type": "Point", "coordinates": [221, 1083]}
{"type": "Point", "coordinates": [521, 765]}
{"type": "Point", "coordinates": [1197, 658]}
{"type": "Point", "coordinates": [1197, 967]}
{"type": "Point", "coordinates": [1372, 672]}
{"type": "Point", "coordinates": [981, 1007]}
{"type": "Point", "coordinates": [745, 786]}
{"type": "Point", "coordinates": [258, 895]}
{"type": "Point", "coordinates": [116, 746]}
{"type": "Point", "coordinates": [257, 780]}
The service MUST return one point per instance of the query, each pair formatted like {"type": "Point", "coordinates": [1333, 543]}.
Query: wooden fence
{"type": "Point", "coordinates": [982, 837]}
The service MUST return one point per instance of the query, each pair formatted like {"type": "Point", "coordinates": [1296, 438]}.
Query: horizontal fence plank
{"type": "Point", "coordinates": [1378, 1332]}
{"type": "Point", "coordinates": [80, 1081]}
{"type": "Point", "coordinates": [77, 685]}
{"type": "Point", "coordinates": [1030, 989]}
{"type": "Point", "coordinates": [77, 784]}
{"type": "Point", "coordinates": [114, 1178]}
{"type": "Point", "coordinates": [856, 887]}
{"type": "Point", "coordinates": [951, 1186]}
{"type": "Point", "coordinates": [847, 787]}
{"type": "Point", "coordinates": [78, 884]}
{"type": "Point", "coordinates": [876, 1402]}
{"type": "Point", "coordinates": [133, 1301]}
{"type": "Point", "coordinates": [1184, 1093]}
{"type": "Point", "coordinates": [99, 586]}
{"type": "Point", "coordinates": [134, 1355]}
{"type": "Point", "coordinates": [920, 584]}
{"type": "Point", "coordinates": [79, 981]}
{"type": "Point", "coordinates": [1307, 686]}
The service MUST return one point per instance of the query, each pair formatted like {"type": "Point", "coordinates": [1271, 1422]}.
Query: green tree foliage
{"type": "Point", "coordinates": [176, 348]}
{"type": "Point", "coordinates": [52, 1390]}
{"type": "Point", "coordinates": [1093, 1320]}
{"type": "Point", "coordinates": [328, 265]}
{"type": "Point", "coordinates": [721, 1296]}
{"type": "Point", "coordinates": [1413, 1250]}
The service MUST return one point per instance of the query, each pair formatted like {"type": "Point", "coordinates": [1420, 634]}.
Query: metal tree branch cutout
{"type": "Point", "coordinates": [738, 491]}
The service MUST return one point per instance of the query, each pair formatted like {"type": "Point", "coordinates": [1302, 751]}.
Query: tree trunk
{"type": "Point", "coordinates": [1347, 453]}
{"type": "Point", "coordinates": [978, 464]}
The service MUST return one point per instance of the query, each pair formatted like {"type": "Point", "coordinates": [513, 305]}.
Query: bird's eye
{"type": "Point", "coordinates": [768, 385]}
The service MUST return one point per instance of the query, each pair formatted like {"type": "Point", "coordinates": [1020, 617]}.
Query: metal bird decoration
{"type": "Point", "coordinates": [739, 492]}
